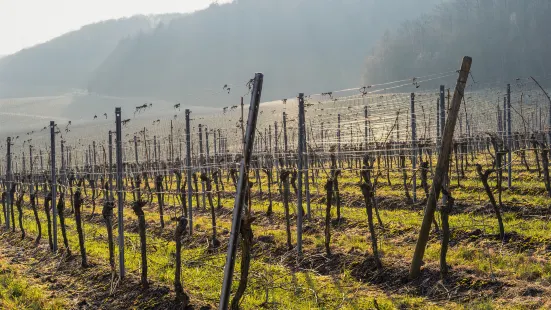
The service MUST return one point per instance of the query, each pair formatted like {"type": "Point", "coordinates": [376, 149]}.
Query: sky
{"type": "Point", "coordinates": [24, 23]}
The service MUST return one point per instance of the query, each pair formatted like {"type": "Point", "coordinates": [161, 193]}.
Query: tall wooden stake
{"type": "Point", "coordinates": [118, 126]}
{"type": "Point", "coordinates": [442, 164]}
{"type": "Point", "coordinates": [241, 191]}
{"type": "Point", "coordinates": [54, 184]}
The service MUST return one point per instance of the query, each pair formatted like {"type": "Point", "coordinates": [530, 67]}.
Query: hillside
{"type": "Point", "coordinates": [306, 46]}
{"type": "Point", "coordinates": [301, 46]}
{"type": "Point", "coordinates": [507, 40]}
{"type": "Point", "coordinates": [66, 62]}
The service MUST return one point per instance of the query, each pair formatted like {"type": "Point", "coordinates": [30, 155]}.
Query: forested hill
{"type": "Point", "coordinates": [507, 39]}
{"type": "Point", "coordinates": [305, 46]}
{"type": "Point", "coordinates": [301, 46]}
{"type": "Point", "coordinates": [67, 62]}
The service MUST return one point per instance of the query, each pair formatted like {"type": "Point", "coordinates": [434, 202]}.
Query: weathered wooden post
{"type": "Point", "coordinates": [442, 127]}
{"type": "Point", "coordinates": [276, 156]}
{"type": "Point", "coordinates": [215, 148]}
{"type": "Point", "coordinates": [63, 164]}
{"type": "Point", "coordinates": [201, 162]}
{"type": "Point", "coordinates": [366, 141]}
{"type": "Point", "coordinates": [242, 126]}
{"type": "Point", "coordinates": [438, 134]}
{"type": "Point", "coordinates": [54, 186]}
{"type": "Point", "coordinates": [499, 123]}
{"type": "Point", "coordinates": [300, 158]}
{"type": "Point", "coordinates": [118, 127]}
{"type": "Point", "coordinates": [33, 185]}
{"type": "Point", "coordinates": [136, 150]}
{"type": "Point", "coordinates": [285, 139]}
{"type": "Point", "coordinates": [111, 198]}
{"type": "Point", "coordinates": [413, 148]}
{"type": "Point", "coordinates": [306, 165]}
{"type": "Point", "coordinates": [220, 143]}
{"type": "Point", "coordinates": [509, 139]}
{"type": "Point", "coordinates": [504, 120]}
{"type": "Point", "coordinates": [188, 172]}
{"type": "Point", "coordinates": [441, 168]}
{"type": "Point", "coordinates": [207, 149]}
{"type": "Point", "coordinates": [241, 191]}
{"type": "Point", "coordinates": [8, 179]}
{"type": "Point", "coordinates": [146, 148]}
{"type": "Point", "coordinates": [339, 139]}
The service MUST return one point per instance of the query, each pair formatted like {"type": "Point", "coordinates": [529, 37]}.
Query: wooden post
{"type": "Point", "coordinates": [413, 148]}
{"type": "Point", "coordinates": [441, 168]}
{"type": "Point", "coordinates": [8, 179]}
{"type": "Point", "coordinates": [54, 185]}
{"type": "Point", "coordinates": [276, 156]}
{"type": "Point", "coordinates": [120, 194]}
{"type": "Point", "coordinates": [110, 166]}
{"type": "Point", "coordinates": [146, 147]}
{"type": "Point", "coordinates": [499, 125]}
{"type": "Point", "coordinates": [242, 127]}
{"type": "Point", "coordinates": [438, 123]}
{"type": "Point", "coordinates": [285, 139]}
{"type": "Point", "coordinates": [215, 150]}
{"type": "Point", "coordinates": [442, 125]}
{"type": "Point", "coordinates": [241, 192]}
{"type": "Point", "coordinates": [338, 138]}
{"type": "Point", "coordinates": [188, 172]}
{"type": "Point", "coordinates": [201, 163]}
{"type": "Point", "coordinates": [300, 159]}
{"type": "Point", "coordinates": [509, 139]}
{"type": "Point", "coordinates": [365, 128]}
{"type": "Point", "coordinates": [135, 151]}
{"type": "Point", "coordinates": [155, 152]}
{"type": "Point", "coordinates": [504, 120]}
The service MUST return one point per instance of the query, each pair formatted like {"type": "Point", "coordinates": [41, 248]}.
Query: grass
{"type": "Point", "coordinates": [17, 293]}
{"type": "Point", "coordinates": [275, 284]}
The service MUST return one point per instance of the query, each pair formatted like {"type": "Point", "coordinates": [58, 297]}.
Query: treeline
{"type": "Point", "coordinates": [507, 38]}
{"type": "Point", "coordinates": [300, 46]}
{"type": "Point", "coordinates": [308, 46]}
{"type": "Point", "coordinates": [66, 62]}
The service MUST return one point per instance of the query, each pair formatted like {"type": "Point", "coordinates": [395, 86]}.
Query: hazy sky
{"type": "Point", "coordinates": [24, 23]}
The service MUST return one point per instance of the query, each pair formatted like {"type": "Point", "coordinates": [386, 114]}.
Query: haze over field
{"type": "Point", "coordinates": [301, 46]}
{"type": "Point", "coordinates": [309, 46]}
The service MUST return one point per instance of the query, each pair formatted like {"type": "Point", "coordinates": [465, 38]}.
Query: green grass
{"type": "Point", "coordinates": [17, 293]}
{"type": "Point", "coordinates": [274, 285]}
{"type": "Point", "coordinates": [202, 273]}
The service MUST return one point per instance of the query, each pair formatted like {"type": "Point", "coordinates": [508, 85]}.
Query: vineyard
{"type": "Point", "coordinates": [389, 196]}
